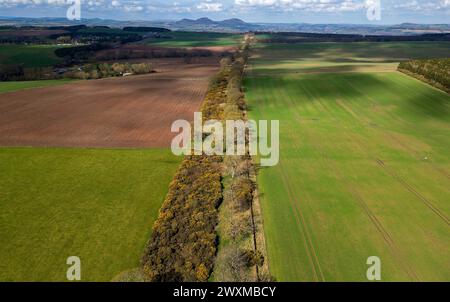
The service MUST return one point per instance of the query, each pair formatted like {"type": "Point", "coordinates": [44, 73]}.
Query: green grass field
{"type": "Point", "coordinates": [196, 39]}
{"type": "Point", "coordinates": [364, 169]}
{"type": "Point", "coordinates": [275, 59]}
{"type": "Point", "coordinates": [98, 205]}
{"type": "Point", "coordinates": [20, 85]}
{"type": "Point", "coordinates": [29, 55]}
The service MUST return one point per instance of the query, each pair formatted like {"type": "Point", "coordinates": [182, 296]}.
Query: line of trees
{"type": "Point", "coordinates": [184, 241]}
{"type": "Point", "coordinates": [434, 71]}
{"type": "Point", "coordinates": [151, 52]}
{"type": "Point", "coordinates": [16, 72]}
{"type": "Point", "coordinates": [294, 37]}
{"type": "Point", "coordinates": [105, 70]}
{"type": "Point", "coordinates": [79, 54]}
{"type": "Point", "coordinates": [146, 29]}
{"type": "Point", "coordinates": [241, 256]}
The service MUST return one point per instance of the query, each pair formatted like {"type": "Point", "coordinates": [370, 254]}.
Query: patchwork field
{"type": "Point", "coordinates": [364, 169]}
{"type": "Point", "coordinates": [99, 205]}
{"type": "Point", "coordinates": [135, 111]}
{"type": "Point", "coordinates": [276, 59]}
{"type": "Point", "coordinates": [29, 55]}
{"type": "Point", "coordinates": [20, 85]}
{"type": "Point", "coordinates": [195, 39]}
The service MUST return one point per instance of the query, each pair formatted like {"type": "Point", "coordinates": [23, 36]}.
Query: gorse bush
{"type": "Point", "coordinates": [184, 241]}
{"type": "Point", "coordinates": [239, 258]}
{"type": "Point", "coordinates": [183, 245]}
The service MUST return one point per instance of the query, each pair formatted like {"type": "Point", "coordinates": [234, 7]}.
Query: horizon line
{"type": "Point", "coordinates": [175, 20]}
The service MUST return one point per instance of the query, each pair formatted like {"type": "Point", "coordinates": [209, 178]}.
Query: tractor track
{"type": "Point", "coordinates": [387, 237]}
{"type": "Point", "coordinates": [400, 179]}
{"type": "Point", "coordinates": [312, 255]}
{"type": "Point", "coordinates": [411, 189]}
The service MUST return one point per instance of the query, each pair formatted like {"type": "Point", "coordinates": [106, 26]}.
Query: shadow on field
{"type": "Point", "coordinates": [335, 52]}
{"type": "Point", "coordinates": [431, 103]}
{"type": "Point", "coordinates": [321, 69]}
{"type": "Point", "coordinates": [326, 86]}
{"type": "Point", "coordinates": [368, 89]}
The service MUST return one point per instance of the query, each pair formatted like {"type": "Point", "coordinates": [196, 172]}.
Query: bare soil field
{"type": "Point", "coordinates": [135, 111]}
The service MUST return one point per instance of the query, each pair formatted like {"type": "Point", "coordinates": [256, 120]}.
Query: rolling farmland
{"type": "Point", "coordinates": [195, 39]}
{"type": "Point", "coordinates": [364, 169]}
{"type": "Point", "coordinates": [96, 204]}
{"type": "Point", "coordinates": [115, 112]}
{"type": "Point", "coordinates": [20, 85]}
{"type": "Point", "coordinates": [276, 59]}
{"type": "Point", "coordinates": [29, 55]}
{"type": "Point", "coordinates": [97, 197]}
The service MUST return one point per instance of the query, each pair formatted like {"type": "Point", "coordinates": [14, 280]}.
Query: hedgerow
{"type": "Point", "coordinates": [184, 241]}
{"type": "Point", "coordinates": [241, 255]}
{"type": "Point", "coordinates": [105, 70]}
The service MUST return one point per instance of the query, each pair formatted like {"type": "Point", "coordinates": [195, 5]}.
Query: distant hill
{"type": "Point", "coordinates": [237, 25]}
{"type": "Point", "coordinates": [205, 24]}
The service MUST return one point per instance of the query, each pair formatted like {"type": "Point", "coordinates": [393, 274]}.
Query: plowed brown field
{"type": "Point", "coordinates": [135, 111]}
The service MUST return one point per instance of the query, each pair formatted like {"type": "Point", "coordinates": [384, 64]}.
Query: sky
{"type": "Point", "coordinates": [267, 11]}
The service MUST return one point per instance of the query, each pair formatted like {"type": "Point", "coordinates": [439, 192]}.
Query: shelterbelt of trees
{"type": "Point", "coordinates": [184, 241]}
{"type": "Point", "coordinates": [295, 37]}
{"type": "Point", "coordinates": [242, 253]}
{"type": "Point", "coordinates": [82, 72]}
{"type": "Point", "coordinates": [433, 71]}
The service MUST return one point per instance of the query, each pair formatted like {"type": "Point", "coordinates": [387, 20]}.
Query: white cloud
{"type": "Point", "coordinates": [306, 5]}
{"type": "Point", "coordinates": [210, 6]}
{"type": "Point", "coordinates": [242, 7]}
